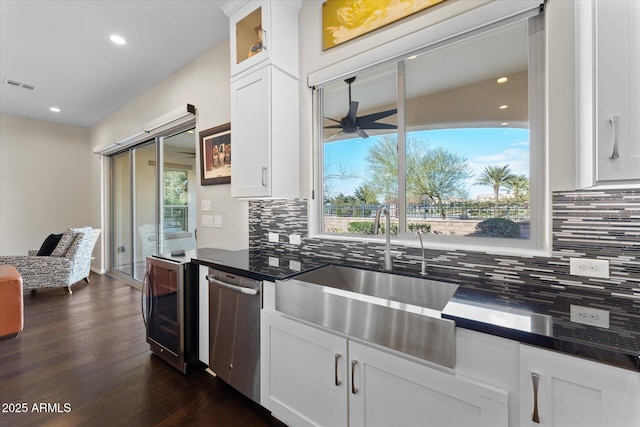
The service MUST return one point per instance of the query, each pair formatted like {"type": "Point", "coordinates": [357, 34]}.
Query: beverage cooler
{"type": "Point", "coordinates": [170, 310]}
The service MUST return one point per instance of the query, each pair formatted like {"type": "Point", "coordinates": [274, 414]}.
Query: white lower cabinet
{"type": "Point", "coordinates": [303, 373]}
{"type": "Point", "coordinates": [312, 377]}
{"type": "Point", "coordinates": [388, 390]}
{"type": "Point", "coordinates": [576, 392]}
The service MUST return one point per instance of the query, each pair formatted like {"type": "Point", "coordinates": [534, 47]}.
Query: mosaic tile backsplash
{"type": "Point", "coordinates": [593, 224]}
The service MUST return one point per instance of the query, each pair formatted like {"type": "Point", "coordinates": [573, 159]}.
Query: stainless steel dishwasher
{"type": "Point", "coordinates": [234, 331]}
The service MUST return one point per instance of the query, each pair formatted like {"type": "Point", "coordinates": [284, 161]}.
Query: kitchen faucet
{"type": "Point", "coordinates": [387, 231]}
{"type": "Point", "coordinates": [423, 265]}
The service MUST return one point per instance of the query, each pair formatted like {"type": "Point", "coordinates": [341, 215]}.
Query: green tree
{"type": "Point", "coordinates": [518, 186]}
{"type": "Point", "coordinates": [496, 177]}
{"type": "Point", "coordinates": [382, 160]}
{"type": "Point", "coordinates": [432, 172]}
{"type": "Point", "coordinates": [365, 194]}
{"type": "Point", "coordinates": [436, 173]}
{"type": "Point", "coordinates": [176, 184]}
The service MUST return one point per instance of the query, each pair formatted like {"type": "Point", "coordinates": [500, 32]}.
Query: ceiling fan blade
{"type": "Point", "coordinates": [333, 127]}
{"type": "Point", "coordinates": [333, 120]}
{"type": "Point", "coordinates": [353, 111]}
{"type": "Point", "coordinates": [376, 116]}
{"type": "Point", "coordinates": [377, 126]}
{"type": "Point", "coordinates": [362, 134]}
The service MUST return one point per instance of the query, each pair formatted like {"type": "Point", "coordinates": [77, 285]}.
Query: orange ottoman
{"type": "Point", "coordinates": [11, 314]}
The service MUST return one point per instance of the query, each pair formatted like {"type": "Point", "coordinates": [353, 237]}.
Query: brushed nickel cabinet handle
{"type": "Point", "coordinates": [614, 127]}
{"type": "Point", "coordinates": [264, 177]}
{"type": "Point", "coordinates": [337, 381]}
{"type": "Point", "coordinates": [536, 380]}
{"type": "Point", "coordinates": [264, 39]}
{"type": "Point", "coordinates": [354, 390]}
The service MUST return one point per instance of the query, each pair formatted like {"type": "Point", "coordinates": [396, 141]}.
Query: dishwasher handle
{"type": "Point", "coordinates": [234, 288]}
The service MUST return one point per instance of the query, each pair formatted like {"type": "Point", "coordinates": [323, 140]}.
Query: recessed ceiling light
{"type": "Point", "coordinates": [54, 109]}
{"type": "Point", "coordinates": [505, 123]}
{"type": "Point", "coordinates": [117, 39]}
{"type": "Point", "coordinates": [413, 57]}
{"type": "Point", "coordinates": [502, 80]}
{"type": "Point", "coordinates": [504, 107]}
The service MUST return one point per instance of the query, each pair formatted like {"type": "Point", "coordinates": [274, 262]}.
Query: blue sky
{"type": "Point", "coordinates": [481, 146]}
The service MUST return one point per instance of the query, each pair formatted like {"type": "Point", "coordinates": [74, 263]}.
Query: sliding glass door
{"type": "Point", "coordinates": [145, 206]}
{"type": "Point", "coordinates": [121, 208]}
{"type": "Point", "coordinates": [178, 192]}
{"type": "Point", "coordinates": [153, 201]}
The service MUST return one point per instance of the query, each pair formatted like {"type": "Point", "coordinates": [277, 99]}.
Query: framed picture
{"type": "Point", "coordinates": [215, 155]}
{"type": "Point", "coordinates": [344, 20]}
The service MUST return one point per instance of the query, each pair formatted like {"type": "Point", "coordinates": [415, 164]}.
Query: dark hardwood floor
{"type": "Point", "coordinates": [85, 357]}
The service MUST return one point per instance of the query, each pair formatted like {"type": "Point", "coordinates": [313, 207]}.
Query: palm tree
{"type": "Point", "coordinates": [496, 177]}
{"type": "Point", "coordinates": [518, 185]}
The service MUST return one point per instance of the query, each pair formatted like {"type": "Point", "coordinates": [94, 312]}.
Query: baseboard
{"type": "Point", "coordinates": [97, 270]}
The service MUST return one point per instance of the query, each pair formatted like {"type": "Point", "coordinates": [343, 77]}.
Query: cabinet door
{"type": "Point", "coordinates": [251, 134]}
{"type": "Point", "coordinates": [250, 35]}
{"type": "Point", "coordinates": [617, 32]}
{"type": "Point", "coordinates": [576, 392]}
{"type": "Point", "coordinates": [388, 390]}
{"type": "Point", "coordinates": [304, 373]}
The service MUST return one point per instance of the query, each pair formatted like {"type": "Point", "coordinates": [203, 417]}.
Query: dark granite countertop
{"type": "Point", "coordinates": [256, 264]}
{"type": "Point", "coordinates": [508, 316]}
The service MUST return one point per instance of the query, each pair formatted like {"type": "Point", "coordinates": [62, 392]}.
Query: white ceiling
{"type": "Point", "coordinates": [63, 49]}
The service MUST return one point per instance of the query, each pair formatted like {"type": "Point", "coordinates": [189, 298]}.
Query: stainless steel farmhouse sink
{"type": "Point", "coordinates": [398, 312]}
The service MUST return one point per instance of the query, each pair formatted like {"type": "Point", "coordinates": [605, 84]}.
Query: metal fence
{"type": "Point", "coordinates": [452, 210]}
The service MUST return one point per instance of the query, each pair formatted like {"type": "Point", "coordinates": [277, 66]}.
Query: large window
{"type": "Point", "coordinates": [447, 139]}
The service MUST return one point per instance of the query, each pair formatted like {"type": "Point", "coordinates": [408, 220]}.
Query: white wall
{"type": "Point", "coordinates": [44, 181]}
{"type": "Point", "coordinates": [205, 84]}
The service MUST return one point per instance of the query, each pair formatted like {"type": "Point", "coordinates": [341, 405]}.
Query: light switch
{"type": "Point", "coordinates": [206, 205]}
{"type": "Point", "coordinates": [274, 262]}
{"type": "Point", "coordinates": [207, 220]}
{"type": "Point", "coordinates": [217, 221]}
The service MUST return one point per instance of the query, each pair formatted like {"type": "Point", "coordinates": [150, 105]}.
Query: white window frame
{"type": "Point", "coordinates": [539, 243]}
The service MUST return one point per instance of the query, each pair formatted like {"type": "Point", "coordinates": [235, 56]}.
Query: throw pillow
{"type": "Point", "coordinates": [65, 242]}
{"type": "Point", "coordinates": [67, 239]}
{"type": "Point", "coordinates": [49, 244]}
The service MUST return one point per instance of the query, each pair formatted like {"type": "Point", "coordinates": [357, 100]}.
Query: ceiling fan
{"type": "Point", "coordinates": [351, 123]}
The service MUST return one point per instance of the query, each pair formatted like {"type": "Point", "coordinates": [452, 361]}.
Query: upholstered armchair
{"type": "Point", "coordinates": [69, 262]}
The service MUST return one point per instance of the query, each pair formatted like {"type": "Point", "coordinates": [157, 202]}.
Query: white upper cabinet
{"type": "Point", "coordinates": [608, 104]}
{"type": "Point", "coordinates": [263, 32]}
{"type": "Point", "coordinates": [264, 98]}
{"type": "Point", "coordinates": [575, 392]}
{"type": "Point", "coordinates": [264, 127]}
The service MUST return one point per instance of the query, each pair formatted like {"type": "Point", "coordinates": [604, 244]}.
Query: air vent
{"type": "Point", "coordinates": [16, 83]}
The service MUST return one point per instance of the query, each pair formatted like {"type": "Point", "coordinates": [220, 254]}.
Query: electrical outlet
{"type": "Point", "coordinates": [274, 237]}
{"type": "Point", "coordinates": [589, 316]}
{"type": "Point", "coordinates": [294, 239]}
{"type": "Point", "coordinates": [589, 267]}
